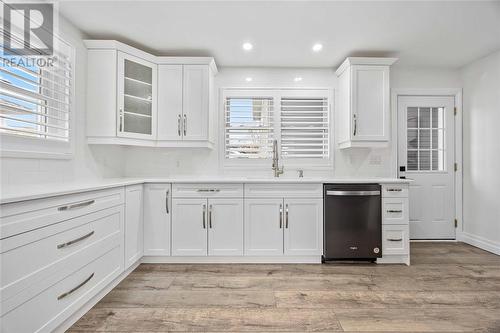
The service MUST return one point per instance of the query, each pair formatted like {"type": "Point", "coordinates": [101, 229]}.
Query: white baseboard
{"type": "Point", "coordinates": [395, 259]}
{"type": "Point", "coordinates": [480, 242]}
{"type": "Point", "coordinates": [232, 260]}
{"type": "Point", "coordinates": [65, 325]}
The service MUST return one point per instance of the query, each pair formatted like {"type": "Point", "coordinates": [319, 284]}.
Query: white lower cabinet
{"type": "Point", "coordinates": [134, 227]}
{"type": "Point", "coordinates": [225, 227]}
{"type": "Point", "coordinates": [277, 226]}
{"type": "Point", "coordinates": [303, 227]}
{"type": "Point", "coordinates": [189, 227]}
{"type": "Point", "coordinates": [202, 226]}
{"type": "Point", "coordinates": [157, 214]}
{"type": "Point", "coordinates": [264, 227]}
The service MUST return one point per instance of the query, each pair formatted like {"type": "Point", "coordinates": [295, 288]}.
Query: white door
{"type": "Point", "coordinates": [137, 100]}
{"type": "Point", "coordinates": [370, 105]}
{"type": "Point", "coordinates": [426, 136]}
{"type": "Point", "coordinates": [134, 231]}
{"type": "Point", "coordinates": [157, 213]}
{"type": "Point", "coordinates": [195, 102]}
{"type": "Point", "coordinates": [303, 227]}
{"type": "Point", "coordinates": [225, 227]}
{"type": "Point", "coordinates": [189, 227]}
{"type": "Point", "coordinates": [264, 227]}
{"type": "Point", "coordinates": [169, 102]}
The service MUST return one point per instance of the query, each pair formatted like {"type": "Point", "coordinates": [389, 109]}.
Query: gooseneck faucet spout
{"type": "Point", "coordinates": [277, 170]}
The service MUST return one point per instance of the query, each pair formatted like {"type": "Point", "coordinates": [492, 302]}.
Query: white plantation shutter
{"type": "Point", "coordinates": [35, 101]}
{"type": "Point", "coordinates": [304, 127]}
{"type": "Point", "coordinates": [249, 127]}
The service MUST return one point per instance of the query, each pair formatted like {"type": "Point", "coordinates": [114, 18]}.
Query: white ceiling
{"type": "Point", "coordinates": [421, 33]}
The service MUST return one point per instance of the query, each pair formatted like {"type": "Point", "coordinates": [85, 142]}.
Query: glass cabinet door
{"type": "Point", "coordinates": [136, 98]}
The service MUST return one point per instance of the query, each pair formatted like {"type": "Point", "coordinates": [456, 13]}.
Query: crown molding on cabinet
{"type": "Point", "coordinates": [373, 61]}
{"type": "Point", "coordinates": [98, 44]}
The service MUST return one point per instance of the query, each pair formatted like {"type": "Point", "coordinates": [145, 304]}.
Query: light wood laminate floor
{"type": "Point", "coordinates": [450, 287]}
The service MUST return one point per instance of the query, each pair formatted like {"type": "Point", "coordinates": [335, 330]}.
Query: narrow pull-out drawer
{"type": "Point", "coordinates": [395, 211]}
{"type": "Point", "coordinates": [32, 256]}
{"type": "Point", "coordinates": [270, 190]}
{"type": "Point", "coordinates": [395, 190]}
{"type": "Point", "coordinates": [204, 190]}
{"type": "Point", "coordinates": [54, 304]}
{"type": "Point", "coordinates": [20, 217]}
{"type": "Point", "coordinates": [395, 240]}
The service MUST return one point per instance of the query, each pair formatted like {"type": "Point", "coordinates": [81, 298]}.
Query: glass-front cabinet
{"type": "Point", "coordinates": [137, 91]}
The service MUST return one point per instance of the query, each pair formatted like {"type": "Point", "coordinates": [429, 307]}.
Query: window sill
{"type": "Point", "coordinates": [35, 155]}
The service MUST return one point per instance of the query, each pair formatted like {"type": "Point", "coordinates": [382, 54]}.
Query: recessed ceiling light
{"type": "Point", "coordinates": [248, 79]}
{"type": "Point", "coordinates": [247, 46]}
{"type": "Point", "coordinates": [297, 79]}
{"type": "Point", "coordinates": [317, 47]}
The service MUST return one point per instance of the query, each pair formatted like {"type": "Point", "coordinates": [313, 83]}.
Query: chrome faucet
{"type": "Point", "coordinates": [276, 168]}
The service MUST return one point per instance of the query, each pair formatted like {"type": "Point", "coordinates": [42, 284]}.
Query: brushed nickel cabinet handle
{"type": "Point", "coordinates": [167, 194]}
{"type": "Point", "coordinates": [394, 239]}
{"type": "Point", "coordinates": [286, 216]}
{"type": "Point", "coordinates": [204, 213]}
{"type": "Point", "coordinates": [77, 205]}
{"type": "Point", "coordinates": [394, 190]}
{"type": "Point", "coordinates": [121, 120]}
{"type": "Point", "coordinates": [210, 216]}
{"type": "Point", "coordinates": [179, 125]}
{"type": "Point", "coordinates": [394, 211]}
{"type": "Point", "coordinates": [185, 125]}
{"type": "Point", "coordinates": [355, 125]}
{"type": "Point", "coordinates": [216, 190]}
{"type": "Point", "coordinates": [75, 288]}
{"type": "Point", "coordinates": [79, 239]}
{"type": "Point", "coordinates": [281, 216]}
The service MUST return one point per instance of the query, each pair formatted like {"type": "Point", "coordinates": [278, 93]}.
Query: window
{"type": "Point", "coordinates": [298, 119]}
{"type": "Point", "coordinates": [425, 137]}
{"type": "Point", "coordinates": [35, 101]}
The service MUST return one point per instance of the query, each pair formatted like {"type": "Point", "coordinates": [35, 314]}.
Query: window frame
{"type": "Point", "coordinates": [19, 146]}
{"type": "Point", "coordinates": [276, 94]}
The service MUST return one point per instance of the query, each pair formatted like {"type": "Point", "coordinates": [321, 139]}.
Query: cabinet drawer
{"type": "Point", "coordinates": [395, 211]}
{"type": "Point", "coordinates": [283, 190]}
{"type": "Point", "coordinates": [207, 190]}
{"type": "Point", "coordinates": [20, 217]}
{"type": "Point", "coordinates": [52, 305]}
{"type": "Point", "coordinates": [395, 239]}
{"type": "Point", "coordinates": [33, 256]}
{"type": "Point", "coordinates": [395, 190]}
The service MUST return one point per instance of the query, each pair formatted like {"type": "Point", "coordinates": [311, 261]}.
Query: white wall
{"type": "Point", "coordinates": [481, 153]}
{"type": "Point", "coordinates": [87, 162]}
{"type": "Point", "coordinates": [353, 162]}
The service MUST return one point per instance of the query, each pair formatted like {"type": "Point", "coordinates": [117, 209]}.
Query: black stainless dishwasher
{"type": "Point", "coordinates": [352, 222]}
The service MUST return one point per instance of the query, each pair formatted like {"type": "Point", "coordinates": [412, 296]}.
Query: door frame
{"type": "Point", "coordinates": [456, 93]}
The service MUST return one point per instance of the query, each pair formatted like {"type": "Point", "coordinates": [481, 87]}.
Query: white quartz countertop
{"type": "Point", "coordinates": [9, 194]}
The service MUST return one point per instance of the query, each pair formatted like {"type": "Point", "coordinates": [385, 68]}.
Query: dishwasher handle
{"type": "Point", "coordinates": [351, 193]}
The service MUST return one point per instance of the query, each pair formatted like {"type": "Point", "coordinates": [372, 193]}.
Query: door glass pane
{"type": "Point", "coordinates": [425, 139]}
{"type": "Point", "coordinates": [137, 100]}
{"type": "Point", "coordinates": [412, 118]}
{"type": "Point", "coordinates": [424, 160]}
{"type": "Point", "coordinates": [412, 139]}
{"type": "Point", "coordinates": [412, 160]}
{"type": "Point", "coordinates": [425, 118]}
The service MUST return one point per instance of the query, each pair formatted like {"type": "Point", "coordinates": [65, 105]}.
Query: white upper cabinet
{"type": "Point", "coordinates": [363, 113]}
{"type": "Point", "coordinates": [184, 105]}
{"type": "Point", "coordinates": [135, 98]}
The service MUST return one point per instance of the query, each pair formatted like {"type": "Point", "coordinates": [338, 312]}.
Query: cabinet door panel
{"type": "Point", "coordinates": [195, 102]}
{"type": "Point", "coordinates": [303, 227]}
{"type": "Point", "coordinates": [137, 88]}
{"type": "Point", "coordinates": [134, 231]}
{"type": "Point", "coordinates": [169, 102]}
{"type": "Point", "coordinates": [157, 213]}
{"type": "Point", "coordinates": [189, 227]}
{"type": "Point", "coordinates": [370, 103]}
{"type": "Point", "coordinates": [263, 227]}
{"type": "Point", "coordinates": [225, 227]}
